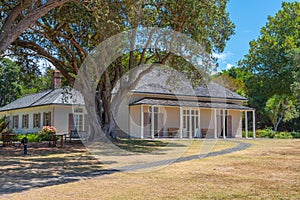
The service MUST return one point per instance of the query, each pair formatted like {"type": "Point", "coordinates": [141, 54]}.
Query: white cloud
{"type": "Point", "coordinates": [221, 56]}
{"type": "Point", "coordinates": [228, 66]}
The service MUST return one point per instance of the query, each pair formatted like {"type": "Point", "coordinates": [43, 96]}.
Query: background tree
{"type": "Point", "coordinates": [281, 108]}
{"type": "Point", "coordinates": [269, 59]}
{"type": "Point", "coordinates": [10, 88]}
{"type": "Point", "coordinates": [233, 79]}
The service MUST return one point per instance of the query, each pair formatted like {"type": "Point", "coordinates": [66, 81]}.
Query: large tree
{"type": "Point", "coordinates": [269, 58]}
{"type": "Point", "coordinates": [67, 35]}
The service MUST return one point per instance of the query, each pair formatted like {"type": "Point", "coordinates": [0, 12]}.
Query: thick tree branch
{"type": "Point", "coordinates": [11, 34]}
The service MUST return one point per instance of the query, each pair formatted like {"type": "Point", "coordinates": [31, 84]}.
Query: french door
{"type": "Point", "coordinates": [190, 123]}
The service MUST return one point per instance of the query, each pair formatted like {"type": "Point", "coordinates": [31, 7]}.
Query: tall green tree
{"type": "Point", "coordinates": [10, 88]}
{"type": "Point", "coordinates": [269, 58]}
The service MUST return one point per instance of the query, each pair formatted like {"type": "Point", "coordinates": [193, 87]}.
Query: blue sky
{"type": "Point", "coordinates": [249, 17]}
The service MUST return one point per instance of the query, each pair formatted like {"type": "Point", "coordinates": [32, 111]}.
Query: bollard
{"type": "Point", "coordinates": [24, 141]}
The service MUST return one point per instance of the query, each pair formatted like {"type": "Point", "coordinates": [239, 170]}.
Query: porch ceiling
{"type": "Point", "coordinates": [184, 103]}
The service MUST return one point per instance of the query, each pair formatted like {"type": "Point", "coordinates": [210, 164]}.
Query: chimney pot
{"type": "Point", "coordinates": [56, 79]}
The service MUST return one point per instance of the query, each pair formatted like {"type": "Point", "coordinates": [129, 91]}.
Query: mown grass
{"type": "Point", "coordinates": [270, 169]}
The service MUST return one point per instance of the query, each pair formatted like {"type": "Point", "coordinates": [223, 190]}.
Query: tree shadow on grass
{"type": "Point", "coordinates": [44, 166]}
{"type": "Point", "coordinates": [145, 146]}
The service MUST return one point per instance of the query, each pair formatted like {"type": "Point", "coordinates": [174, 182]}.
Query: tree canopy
{"type": "Point", "coordinates": [272, 59]}
{"type": "Point", "coordinates": [10, 88]}
{"type": "Point", "coordinates": [65, 36]}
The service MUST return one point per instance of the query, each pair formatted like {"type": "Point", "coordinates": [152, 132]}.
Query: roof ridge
{"type": "Point", "coordinates": [42, 97]}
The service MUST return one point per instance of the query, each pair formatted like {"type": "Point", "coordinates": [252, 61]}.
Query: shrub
{"type": "Point", "coordinates": [267, 133]}
{"type": "Point", "coordinates": [283, 135]}
{"type": "Point", "coordinates": [47, 133]}
{"type": "Point", "coordinates": [295, 134]}
{"type": "Point", "coordinates": [32, 137]}
{"type": "Point", "coordinates": [250, 134]}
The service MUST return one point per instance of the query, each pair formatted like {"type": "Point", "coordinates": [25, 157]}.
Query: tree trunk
{"type": "Point", "coordinates": [277, 123]}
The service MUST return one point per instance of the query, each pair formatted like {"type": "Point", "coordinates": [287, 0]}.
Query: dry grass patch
{"type": "Point", "coordinates": [270, 169]}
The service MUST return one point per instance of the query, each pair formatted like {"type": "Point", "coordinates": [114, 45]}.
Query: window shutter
{"type": "Point", "coordinates": [44, 119]}
{"type": "Point", "coordinates": [27, 125]}
{"type": "Point", "coordinates": [23, 121]}
{"type": "Point", "coordinates": [49, 117]}
{"type": "Point", "coordinates": [39, 120]}
{"type": "Point", "coordinates": [17, 119]}
{"type": "Point", "coordinates": [71, 121]}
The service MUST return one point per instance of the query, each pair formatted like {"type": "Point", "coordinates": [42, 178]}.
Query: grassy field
{"type": "Point", "coordinates": [269, 169]}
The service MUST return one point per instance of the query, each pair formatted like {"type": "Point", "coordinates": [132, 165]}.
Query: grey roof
{"type": "Point", "coordinates": [167, 81]}
{"type": "Point", "coordinates": [64, 96]}
{"type": "Point", "coordinates": [184, 103]}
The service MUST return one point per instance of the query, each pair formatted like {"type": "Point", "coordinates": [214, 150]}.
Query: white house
{"type": "Point", "coordinates": [163, 104]}
{"type": "Point", "coordinates": [62, 108]}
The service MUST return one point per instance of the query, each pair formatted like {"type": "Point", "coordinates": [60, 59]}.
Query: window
{"type": "Point", "coordinates": [47, 119]}
{"type": "Point", "coordinates": [15, 121]}
{"type": "Point", "coordinates": [155, 109]}
{"type": "Point", "coordinates": [190, 122]}
{"type": "Point", "coordinates": [25, 121]}
{"type": "Point", "coordinates": [78, 122]}
{"type": "Point", "coordinates": [36, 120]}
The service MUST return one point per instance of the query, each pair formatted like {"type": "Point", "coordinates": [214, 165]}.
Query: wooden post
{"type": "Point", "coordinates": [199, 121]}
{"type": "Point", "coordinates": [180, 122]}
{"type": "Point", "coordinates": [246, 125]}
{"type": "Point", "coordinates": [190, 125]}
{"type": "Point", "coordinates": [254, 134]}
{"type": "Point", "coordinates": [224, 125]}
{"type": "Point", "coordinates": [142, 122]}
{"type": "Point", "coordinates": [152, 122]}
{"type": "Point", "coordinates": [215, 123]}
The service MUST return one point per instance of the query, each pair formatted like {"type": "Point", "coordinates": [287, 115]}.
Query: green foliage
{"type": "Point", "coordinates": [295, 59]}
{"type": "Point", "coordinates": [284, 135]}
{"type": "Point", "coordinates": [281, 108]}
{"type": "Point", "coordinates": [273, 59]}
{"type": "Point", "coordinates": [267, 133]}
{"type": "Point", "coordinates": [32, 137]}
{"type": "Point", "coordinates": [233, 79]}
{"type": "Point", "coordinates": [10, 87]}
{"type": "Point", "coordinates": [295, 134]}
{"type": "Point", "coordinates": [250, 134]}
{"type": "Point", "coordinates": [3, 123]}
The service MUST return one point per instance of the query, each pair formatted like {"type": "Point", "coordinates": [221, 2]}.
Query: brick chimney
{"type": "Point", "coordinates": [56, 79]}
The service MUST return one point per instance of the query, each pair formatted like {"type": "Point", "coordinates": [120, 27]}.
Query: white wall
{"type": "Point", "coordinates": [135, 121]}
{"type": "Point", "coordinates": [236, 123]}
{"type": "Point", "coordinates": [30, 112]}
{"type": "Point", "coordinates": [59, 117]}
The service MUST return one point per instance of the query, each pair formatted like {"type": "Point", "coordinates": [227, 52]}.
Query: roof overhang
{"type": "Point", "coordinates": [195, 104]}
